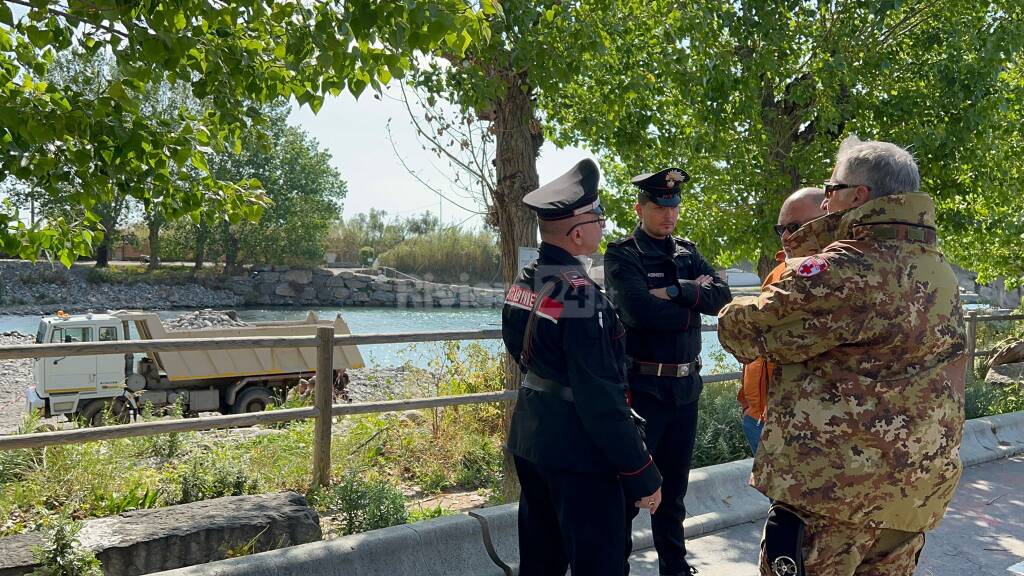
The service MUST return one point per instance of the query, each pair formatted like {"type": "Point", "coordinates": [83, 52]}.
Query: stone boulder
{"type": "Point", "coordinates": [1007, 366]}
{"type": "Point", "coordinates": [299, 276]}
{"type": "Point", "coordinates": [158, 539]}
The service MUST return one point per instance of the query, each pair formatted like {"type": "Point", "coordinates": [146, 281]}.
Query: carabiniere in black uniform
{"type": "Point", "coordinates": [664, 342]}
{"type": "Point", "coordinates": [578, 453]}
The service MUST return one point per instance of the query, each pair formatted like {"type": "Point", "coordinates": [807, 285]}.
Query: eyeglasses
{"type": "Point", "coordinates": [792, 227]}
{"type": "Point", "coordinates": [600, 220]}
{"type": "Point", "coordinates": [833, 187]}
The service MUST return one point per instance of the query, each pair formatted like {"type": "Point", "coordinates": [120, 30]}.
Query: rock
{"type": "Point", "coordinates": [341, 293]}
{"type": "Point", "coordinates": [1010, 354]}
{"type": "Point", "coordinates": [1005, 374]}
{"type": "Point", "coordinates": [160, 539]}
{"type": "Point", "coordinates": [285, 290]}
{"type": "Point", "coordinates": [346, 274]}
{"type": "Point", "coordinates": [199, 319]}
{"type": "Point", "coordinates": [336, 281]}
{"type": "Point", "coordinates": [16, 553]}
{"type": "Point", "coordinates": [382, 296]}
{"type": "Point", "coordinates": [356, 284]}
{"type": "Point", "coordinates": [299, 276]}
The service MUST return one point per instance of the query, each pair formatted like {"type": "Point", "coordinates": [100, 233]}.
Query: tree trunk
{"type": "Point", "coordinates": [202, 231]}
{"type": "Point", "coordinates": [517, 144]}
{"type": "Point", "coordinates": [231, 244]}
{"type": "Point", "coordinates": [155, 221]}
{"type": "Point", "coordinates": [103, 254]}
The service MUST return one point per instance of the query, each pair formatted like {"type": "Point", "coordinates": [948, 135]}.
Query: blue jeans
{"type": "Point", "coordinates": [752, 430]}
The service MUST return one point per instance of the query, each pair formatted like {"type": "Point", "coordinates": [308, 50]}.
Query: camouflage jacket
{"type": "Point", "coordinates": [865, 412]}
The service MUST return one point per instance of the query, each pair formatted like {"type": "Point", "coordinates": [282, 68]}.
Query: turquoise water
{"type": "Point", "coordinates": [381, 320]}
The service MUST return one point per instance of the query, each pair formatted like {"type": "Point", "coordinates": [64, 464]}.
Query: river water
{"type": "Point", "coordinates": [382, 320]}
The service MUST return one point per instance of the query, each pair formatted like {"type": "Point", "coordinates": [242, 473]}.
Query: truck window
{"type": "Point", "coordinates": [108, 334]}
{"type": "Point", "coordinates": [71, 335]}
{"type": "Point", "coordinates": [41, 333]}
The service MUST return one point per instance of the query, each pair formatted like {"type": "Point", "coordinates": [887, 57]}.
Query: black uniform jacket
{"type": "Point", "coordinates": [661, 330]}
{"type": "Point", "coordinates": [579, 343]}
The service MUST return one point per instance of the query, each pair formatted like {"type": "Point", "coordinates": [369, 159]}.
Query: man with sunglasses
{"type": "Point", "coordinates": [798, 209]}
{"type": "Point", "coordinates": [860, 447]}
{"type": "Point", "coordinates": [661, 285]}
{"type": "Point", "coordinates": [578, 454]}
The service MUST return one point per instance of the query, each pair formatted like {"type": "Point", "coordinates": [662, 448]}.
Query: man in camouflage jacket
{"type": "Point", "coordinates": [860, 448]}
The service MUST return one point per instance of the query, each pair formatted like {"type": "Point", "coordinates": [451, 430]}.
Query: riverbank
{"type": "Point", "coordinates": [39, 288]}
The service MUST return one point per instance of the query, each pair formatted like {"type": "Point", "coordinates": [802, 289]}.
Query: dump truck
{"type": "Point", "coordinates": [228, 381]}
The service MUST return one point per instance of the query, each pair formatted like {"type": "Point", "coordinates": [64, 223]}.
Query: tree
{"type": "Point", "coordinates": [304, 193]}
{"type": "Point", "coordinates": [235, 55]}
{"type": "Point", "coordinates": [753, 97]}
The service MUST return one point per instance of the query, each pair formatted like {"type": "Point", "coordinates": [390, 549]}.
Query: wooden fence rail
{"type": "Point", "coordinates": [322, 411]}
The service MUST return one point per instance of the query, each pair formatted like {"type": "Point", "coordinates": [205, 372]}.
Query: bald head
{"type": "Point", "coordinates": [802, 206]}
{"type": "Point", "coordinates": [578, 235]}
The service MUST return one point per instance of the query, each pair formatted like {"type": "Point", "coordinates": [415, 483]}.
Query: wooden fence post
{"type": "Point", "coordinates": [972, 338]}
{"type": "Point", "coordinates": [324, 398]}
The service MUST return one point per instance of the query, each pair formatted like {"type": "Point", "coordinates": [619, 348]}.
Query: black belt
{"type": "Point", "coordinates": [534, 382]}
{"type": "Point", "coordinates": [666, 370]}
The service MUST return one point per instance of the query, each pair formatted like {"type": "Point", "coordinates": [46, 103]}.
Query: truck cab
{"type": "Point", "coordinates": [63, 385]}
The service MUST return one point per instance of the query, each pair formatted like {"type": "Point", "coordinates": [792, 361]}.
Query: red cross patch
{"type": "Point", "coordinates": [812, 266]}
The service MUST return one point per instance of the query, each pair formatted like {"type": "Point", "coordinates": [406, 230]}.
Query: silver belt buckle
{"type": "Point", "coordinates": [683, 370]}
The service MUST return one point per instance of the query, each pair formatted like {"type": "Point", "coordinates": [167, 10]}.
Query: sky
{"type": "Point", "coordinates": [355, 132]}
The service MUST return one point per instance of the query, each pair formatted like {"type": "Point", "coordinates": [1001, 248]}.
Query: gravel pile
{"type": "Point", "coordinates": [202, 319]}
{"type": "Point", "coordinates": [15, 377]}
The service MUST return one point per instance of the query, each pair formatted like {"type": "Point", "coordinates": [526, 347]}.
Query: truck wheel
{"type": "Point", "coordinates": [93, 412]}
{"type": "Point", "coordinates": [254, 399]}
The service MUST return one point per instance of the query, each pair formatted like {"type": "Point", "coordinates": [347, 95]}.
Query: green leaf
{"type": "Point", "coordinates": [199, 161]}
{"type": "Point", "coordinates": [6, 16]}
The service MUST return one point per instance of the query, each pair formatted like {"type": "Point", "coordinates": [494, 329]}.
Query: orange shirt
{"type": "Point", "coordinates": [754, 392]}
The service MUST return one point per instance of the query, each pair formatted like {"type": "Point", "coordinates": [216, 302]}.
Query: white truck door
{"type": "Point", "coordinates": [70, 374]}
{"type": "Point", "coordinates": [110, 367]}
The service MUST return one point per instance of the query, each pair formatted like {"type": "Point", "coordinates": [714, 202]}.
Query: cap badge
{"type": "Point", "coordinates": [673, 177]}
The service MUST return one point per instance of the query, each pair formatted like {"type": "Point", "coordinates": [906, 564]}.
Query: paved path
{"type": "Point", "coordinates": [982, 534]}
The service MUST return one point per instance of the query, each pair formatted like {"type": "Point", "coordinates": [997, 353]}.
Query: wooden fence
{"type": "Point", "coordinates": [322, 412]}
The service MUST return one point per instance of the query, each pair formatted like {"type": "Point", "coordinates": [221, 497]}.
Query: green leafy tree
{"type": "Point", "coordinates": [304, 193]}
{"type": "Point", "coordinates": [753, 97]}
{"type": "Point", "coordinates": [236, 56]}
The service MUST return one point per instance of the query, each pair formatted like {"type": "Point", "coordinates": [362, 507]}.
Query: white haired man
{"type": "Point", "coordinates": [860, 447]}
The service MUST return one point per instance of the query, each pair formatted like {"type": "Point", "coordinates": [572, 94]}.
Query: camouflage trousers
{"type": "Point", "coordinates": [832, 548]}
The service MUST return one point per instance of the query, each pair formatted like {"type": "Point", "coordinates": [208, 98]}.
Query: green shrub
{"type": "Point", "coordinates": [63, 555]}
{"type": "Point", "coordinates": [480, 465]}
{"type": "Point", "coordinates": [362, 504]}
{"type": "Point", "coordinates": [719, 430]}
{"type": "Point", "coordinates": [203, 479]}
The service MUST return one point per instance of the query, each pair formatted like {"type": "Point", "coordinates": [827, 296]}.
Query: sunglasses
{"type": "Point", "coordinates": [833, 187]}
{"type": "Point", "coordinates": [792, 227]}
